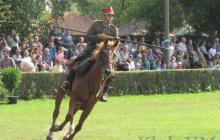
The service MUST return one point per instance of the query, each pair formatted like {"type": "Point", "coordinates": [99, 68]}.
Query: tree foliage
{"type": "Point", "coordinates": [203, 15]}
{"type": "Point", "coordinates": [151, 11]}
{"type": "Point", "coordinates": [26, 16]}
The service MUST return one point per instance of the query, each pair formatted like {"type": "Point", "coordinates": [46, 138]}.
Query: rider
{"type": "Point", "coordinates": [99, 31]}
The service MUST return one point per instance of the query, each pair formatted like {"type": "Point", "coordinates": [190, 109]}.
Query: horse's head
{"type": "Point", "coordinates": [107, 53]}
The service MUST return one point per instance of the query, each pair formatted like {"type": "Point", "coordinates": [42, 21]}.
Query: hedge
{"type": "Point", "coordinates": [38, 85]}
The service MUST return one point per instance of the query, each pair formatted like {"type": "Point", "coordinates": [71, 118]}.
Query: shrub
{"type": "Point", "coordinates": [11, 78]}
{"type": "Point", "coordinates": [3, 91]}
{"type": "Point", "coordinates": [39, 85]}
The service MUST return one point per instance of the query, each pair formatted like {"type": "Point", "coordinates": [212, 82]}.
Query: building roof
{"type": "Point", "coordinates": [76, 22]}
{"type": "Point", "coordinates": [133, 28]}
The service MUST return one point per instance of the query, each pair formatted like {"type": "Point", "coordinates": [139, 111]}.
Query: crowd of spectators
{"type": "Point", "coordinates": [32, 56]}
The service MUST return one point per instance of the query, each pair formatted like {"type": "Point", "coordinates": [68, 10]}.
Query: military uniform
{"type": "Point", "coordinates": [98, 27]}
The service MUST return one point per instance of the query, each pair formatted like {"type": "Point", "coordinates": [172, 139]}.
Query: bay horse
{"type": "Point", "coordinates": [86, 90]}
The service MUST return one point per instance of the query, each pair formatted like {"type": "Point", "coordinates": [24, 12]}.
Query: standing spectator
{"type": "Point", "coordinates": [7, 61]}
{"type": "Point", "coordinates": [13, 40]}
{"type": "Point", "coordinates": [67, 42]}
{"type": "Point", "coordinates": [182, 45]}
{"type": "Point", "coordinates": [52, 49]}
{"type": "Point", "coordinates": [3, 45]}
{"type": "Point", "coordinates": [80, 46]}
{"type": "Point", "coordinates": [36, 43]}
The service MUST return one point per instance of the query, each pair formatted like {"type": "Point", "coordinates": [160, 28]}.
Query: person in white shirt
{"type": "Point", "coordinates": [27, 56]}
{"type": "Point", "coordinates": [182, 45]}
{"type": "Point", "coordinates": [17, 58]}
{"type": "Point", "coordinates": [212, 52]}
{"type": "Point", "coordinates": [13, 41]}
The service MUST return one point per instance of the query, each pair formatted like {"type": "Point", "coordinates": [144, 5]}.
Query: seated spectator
{"type": "Point", "coordinates": [47, 59]}
{"type": "Point", "coordinates": [36, 42]}
{"type": "Point", "coordinates": [217, 64]}
{"type": "Point", "coordinates": [17, 57]}
{"type": "Point", "coordinates": [27, 56]}
{"type": "Point", "coordinates": [23, 44]}
{"type": "Point", "coordinates": [138, 62]}
{"type": "Point", "coordinates": [131, 65]}
{"type": "Point", "coordinates": [185, 63]}
{"type": "Point", "coordinates": [158, 65]}
{"type": "Point", "coordinates": [179, 65]}
{"type": "Point", "coordinates": [124, 53]}
{"type": "Point", "coordinates": [204, 51]}
{"type": "Point", "coordinates": [163, 66]}
{"type": "Point", "coordinates": [212, 52]}
{"type": "Point", "coordinates": [182, 46]}
{"type": "Point", "coordinates": [59, 60]}
{"type": "Point", "coordinates": [211, 65]}
{"type": "Point", "coordinates": [38, 62]}
{"type": "Point", "coordinates": [203, 62]}
{"type": "Point", "coordinates": [151, 57]}
{"type": "Point", "coordinates": [173, 63]}
{"type": "Point", "coordinates": [7, 61]}
{"type": "Point", "coordinates": [36, 53]}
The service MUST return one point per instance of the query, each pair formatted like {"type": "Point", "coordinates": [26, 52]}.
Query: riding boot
{"type": "Point", "coordinates": [106, 87]}
{"type": "Point", "coordinates": [66, 85]}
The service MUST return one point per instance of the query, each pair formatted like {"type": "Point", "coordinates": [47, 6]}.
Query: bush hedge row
{"type": "Point", "coordinates": [38, 85]}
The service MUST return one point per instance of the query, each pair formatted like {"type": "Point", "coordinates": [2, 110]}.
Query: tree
{"type": "Point", "coordinates": [203, 15]}
{"type": "Point", "coordinates": [26, 16]}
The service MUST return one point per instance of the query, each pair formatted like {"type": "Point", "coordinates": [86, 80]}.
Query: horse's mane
{"type": "Point", "coordinates": [90, 60]}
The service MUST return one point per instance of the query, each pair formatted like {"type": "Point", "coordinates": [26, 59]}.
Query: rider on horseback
{"type": "Point", "coordinates": [99, 31]}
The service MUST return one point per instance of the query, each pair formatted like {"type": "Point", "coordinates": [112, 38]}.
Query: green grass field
{"type": "Point", "coordinates": [122, 118]}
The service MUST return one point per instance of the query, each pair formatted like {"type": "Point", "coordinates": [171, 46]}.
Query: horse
{"type": "Point", "coordinates": [86, 90]}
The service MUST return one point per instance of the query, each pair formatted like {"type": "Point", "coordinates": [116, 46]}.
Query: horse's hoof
{"type": "Point", "coordinates": [67, 137]}
{"type": "Point", "coordinates": [49, 137]}
{"type": "Point", "coordinates": [56, 128]}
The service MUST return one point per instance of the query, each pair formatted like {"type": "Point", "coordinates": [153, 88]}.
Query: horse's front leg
{"type": "Point", "coordinates": [69, 116]}
{"type": "Point", "coordinates": [88, 108]}
{"type": "Point", "coordinates": [58, 101]}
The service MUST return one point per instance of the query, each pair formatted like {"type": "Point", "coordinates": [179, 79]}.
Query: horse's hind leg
{"type": "Point", "coordinates": [88, 108]}
{"type": "Point", "coordinates": [58, 100]}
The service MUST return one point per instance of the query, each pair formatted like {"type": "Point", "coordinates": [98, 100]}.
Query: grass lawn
{"type": "Point", "coordinates": [122, 118]}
